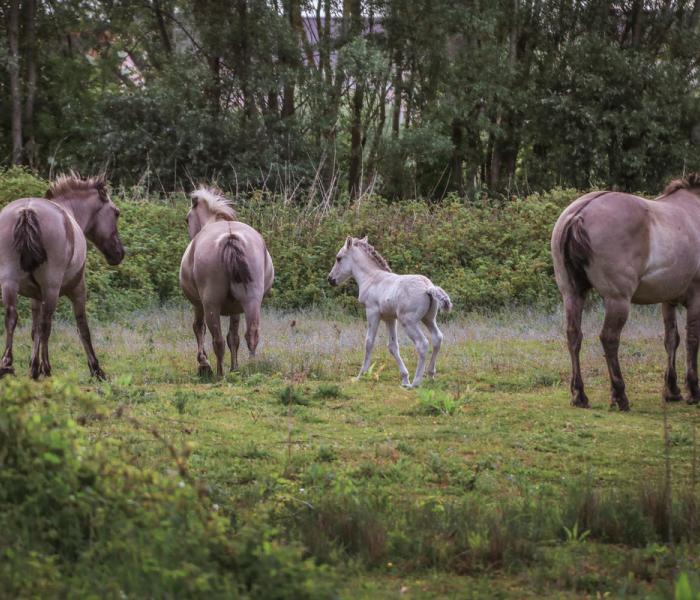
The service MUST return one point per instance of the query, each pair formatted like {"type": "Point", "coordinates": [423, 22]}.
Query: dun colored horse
{"type": "Point", "coordinates": [386, 296]}
{"type": "Point", "coordinates": [42, 257]}
{"type": "Point", "coordinates": [226, 270]}
{"type": "Point", "coordinates": [632, 250]}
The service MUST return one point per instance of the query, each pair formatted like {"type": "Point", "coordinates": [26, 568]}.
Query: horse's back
{"type": "Point", "coordinates": [59, 236]}
{"type": "Point", "coordinates": [639, 249]}
{"type": "Point", "coordinates": [205, 273]}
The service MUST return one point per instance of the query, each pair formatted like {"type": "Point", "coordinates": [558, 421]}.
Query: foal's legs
{"type": "Point", "coordinates": [78, 299]}
{"type": "Point", "coordinates": [692, 341]}
{"type": "Point", "coordinates": [671, 392]}
{"type": "Point", "coordinates": [233, 340]}
{"type": "Point", "coordinates": [252, 324]}
{"type": "Point", "coordinates": [436, 338]}
{"type": "Point", "coordinates": [213, 320]}
{"type": "Point", "coordinates": [421, 343]}
{"type": "Point", "coordinates": [40, 348]}
{"type": "Point", "coordinates": [394, 350]}
{"type": "Point", "coordinates": [573, 307]}
{"type": "Point", "coordinates": [616, 313]}
{"type": "Point", "coordinates": [372, 326]}
{"type": "Point", "coordinates": [9, 298]}
{"type": "Point", "coordinates": [199, 332]}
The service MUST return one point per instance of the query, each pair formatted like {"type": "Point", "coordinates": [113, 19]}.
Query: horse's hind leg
{"type": "Point", "coordinates": [394, 350]}
{"type": "Point", "coordinates": [671, 392]}
{"type": "Point", "coordinates": [234, 340]}
{"type": "Point", "coordinates": [573, 307]}
{"type": "Point", "coordinates": [691, 355]}
{"type": "Point", "coordinates": [436, 338]}
{"type": "Point", "coordinates": [421, 344]}
{"type": "Point", "coordinates": [199, 331]}
{"type": "Point", "coordinates": [616, 313]}
{"type": "Point", "coordinates": [9, 298]}
{"type": "Point", "coordinates": [40, 352]}
{"type": "Point", "coordinates": [252, 325]}
{"type": "Point", "coordinates": [213, 320]}
{"type": "Point", "coordinates": [78, 299]}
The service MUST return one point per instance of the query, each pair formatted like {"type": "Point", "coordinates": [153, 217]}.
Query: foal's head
{"type": "Point", "coordinates": [208, 204]}
{"type": "Point", "coordinates": [353, 250]}
{"type": "Point", "coordinates": [93, 209]}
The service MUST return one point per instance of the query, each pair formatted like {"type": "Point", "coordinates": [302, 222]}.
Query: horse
{"type": "Point", "coordinates": [42, 257]}
{"type": "Point", "coordinates": [225, 270]}
{"type": "Point", "coordinates": [632, 251]}
{"type": "Point", "coordinates": [389, 297]}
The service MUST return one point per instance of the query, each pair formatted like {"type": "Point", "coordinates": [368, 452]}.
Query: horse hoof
{"type": "Point", "coordinates": [580, 402]}
{"type": "Point", "coordinates": [691, 399]}
{"type": "Point", "coordinates": [205, 372]}
{"type": "Point", "coordinates": [6, 371]}
{"type": "Point", "coordinates": [672, 396]}
{"type": "Point", "coordinates": [99, 374]}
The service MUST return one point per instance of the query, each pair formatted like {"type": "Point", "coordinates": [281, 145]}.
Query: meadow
{"type": "Point", "coordinates": [484, 483]}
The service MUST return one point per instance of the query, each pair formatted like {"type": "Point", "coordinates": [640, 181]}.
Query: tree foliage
{"type": "Point", "coordinates": [406, 97]}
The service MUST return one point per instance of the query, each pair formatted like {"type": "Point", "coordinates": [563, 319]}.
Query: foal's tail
{"type": "Point", "coordinates": [27, 240]}
{"type": "Point", "coordinates": [233, 257]}
{"type": "Point", "coordinates": [440, 296]}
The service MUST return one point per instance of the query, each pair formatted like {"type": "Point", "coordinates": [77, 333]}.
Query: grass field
{"type": "Point", "coordinates": [484, 483]}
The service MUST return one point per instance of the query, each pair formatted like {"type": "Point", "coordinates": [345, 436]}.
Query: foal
{"type": "Point", "coordinates": [387, 296]}
{"type": "Point", "coordinates": [226, 270]}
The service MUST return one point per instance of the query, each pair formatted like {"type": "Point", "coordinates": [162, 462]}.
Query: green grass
{"type": "Point", "coordinates": [379, 481]}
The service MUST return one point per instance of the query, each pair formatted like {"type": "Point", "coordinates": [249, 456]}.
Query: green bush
{"type": "Point", "coordinates": [78, 519]}
{"type": "Point", "coordinates": [484, 254]}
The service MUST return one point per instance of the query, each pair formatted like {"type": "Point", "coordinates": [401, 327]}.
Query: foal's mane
{"type": "Point", "coordinates": [215, 200]}
{"type": "Point", "coordinates": [690, 181]}
{"type": "Point", "coordinates": [369, 250]}
{"type": "Point", "coordinates": [67, 183]}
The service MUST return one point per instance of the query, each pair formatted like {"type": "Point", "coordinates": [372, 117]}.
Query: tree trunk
{"type": "Point", "coordinates": [293, 9]}
{"type": "Point", "coordinates": [15, 87]}
{"type": "Point", "coordinates": [30, 57]}
{"type": "Point", "coordinates": [457, 176]}
{"type": "Point", "coordinates": [398, 90]}
{"type": "Point", "coordinates": [355, 170]}
{"type": "Point", "coordinates": [162, 28]}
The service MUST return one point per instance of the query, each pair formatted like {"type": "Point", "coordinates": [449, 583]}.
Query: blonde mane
{"type": "Point", "coordinates": [217, 203]}
{"type": "Point", "coordinates": [369, 250]}
{"type": "Point", "coordinates": [690, 181]}
{"type": "Point", "coordinates": [72, 182]}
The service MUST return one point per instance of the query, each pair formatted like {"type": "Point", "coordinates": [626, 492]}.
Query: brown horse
{"type": "Point", "coordinates": [42, 257]}
{"type": "Point", "coordinates": [226, 270]}
{"type": "Point", "coordinates": [632, 250]}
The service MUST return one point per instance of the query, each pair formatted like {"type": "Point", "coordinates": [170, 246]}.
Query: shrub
{"type": "Point", "coordinates": [77, 519]}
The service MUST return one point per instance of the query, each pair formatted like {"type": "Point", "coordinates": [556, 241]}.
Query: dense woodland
{"type": "Point", "coordinates": [406, 98]}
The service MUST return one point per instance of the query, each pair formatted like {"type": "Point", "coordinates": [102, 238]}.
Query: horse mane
{"type": "Point", "coordinates": [369, 250]}
{"type": "Point", "coordinates": [215, 200]}
{"type": "Point", "coordinates": [67, 183]}
{"type": "Point", "coordinates": [690, 181]}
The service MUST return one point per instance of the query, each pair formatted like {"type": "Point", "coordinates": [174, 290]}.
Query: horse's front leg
{"type": "Point", "coordinates": [9, 298]}
{"type": "Point", "coordinates": [372, 326]}
{"type": "Point", "coordinates": [78, 298]}
{"type": "Point", "coordinates": [616, 313]}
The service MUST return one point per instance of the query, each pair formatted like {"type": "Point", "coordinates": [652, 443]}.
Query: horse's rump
{"type": "Point", "coordinates": [27, 240]}
{"type": "Point", "coordinates": [440, 296]}
{"type": "Point", "coordinates": [234, 259]}
{"type": "Point", "coordinates": [575, 247]}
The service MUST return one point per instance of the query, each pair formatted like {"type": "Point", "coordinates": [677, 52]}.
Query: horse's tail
{"type": "Point", "coordinates": [233, 257]}
{"type": "Point", "coordinates": [440, 296]}
{"type": "Point", "coordinates": [27, 240]}
{"type": "Point", "coordinates": [576, 252]}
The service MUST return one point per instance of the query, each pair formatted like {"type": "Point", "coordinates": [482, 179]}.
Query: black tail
{"type": "Point", "coordinates": [576, 249]}
{"type": "Point", "coordinates": [233, 257]}
{"type": "Point", "coordinates": [27, 241]}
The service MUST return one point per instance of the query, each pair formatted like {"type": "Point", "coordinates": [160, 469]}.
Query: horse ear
{"type": "Point", "coordinates": [348, 242]}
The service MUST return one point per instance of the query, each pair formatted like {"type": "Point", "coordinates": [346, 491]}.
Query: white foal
{"type": "Point", "coordinates": [387, 296]}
